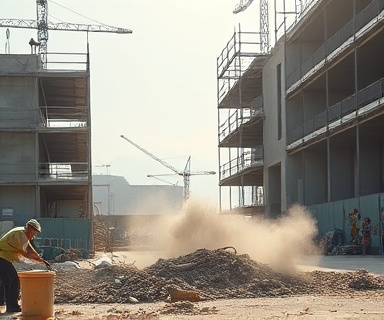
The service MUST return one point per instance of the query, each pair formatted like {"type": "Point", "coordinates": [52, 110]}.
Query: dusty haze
{"type": "Point", "coordinates": [276, 242]}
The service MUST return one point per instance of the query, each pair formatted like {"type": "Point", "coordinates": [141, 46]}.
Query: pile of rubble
{"type": "Point", "coordinates": [100, 227]}
{"type": "Point", "coordinates": [213, 274]}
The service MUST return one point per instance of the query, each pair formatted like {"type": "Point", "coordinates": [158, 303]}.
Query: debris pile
{"type": "Point", "coordinates": [69, 255]}
{"type": "Point", "coordinates": [222, 274]}
{"type": "Point", "coordinates": [111, 284]}
{"type": "Point", "coordinates": [213, 274]}
{"type": "Point", "coordinates": [100, 228]}
{"type": "Point", "coordinates": [362, 281]}
{"type": "Point", "coordinates": [349, 249]}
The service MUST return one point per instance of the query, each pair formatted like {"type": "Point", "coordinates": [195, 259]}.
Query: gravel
{"type": "Point", "coordinates": [214, 274]}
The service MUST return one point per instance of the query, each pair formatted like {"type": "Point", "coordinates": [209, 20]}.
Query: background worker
{"type": "Point", "coordinates": [14, 246]}
{"type": "Point", "coordinates": [366, 231]}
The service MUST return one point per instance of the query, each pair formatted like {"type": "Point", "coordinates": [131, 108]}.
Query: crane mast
{"type": "Point", "coordinates": [42, 24]}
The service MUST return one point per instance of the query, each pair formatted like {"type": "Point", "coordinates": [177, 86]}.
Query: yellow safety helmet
{"type": "Point", "coordinates": [34, 224]}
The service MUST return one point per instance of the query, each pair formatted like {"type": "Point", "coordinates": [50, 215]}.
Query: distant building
{"type": "Point", "coordinates": [132, 212]}
{"type": "Point", "coordinates": [115, 196]}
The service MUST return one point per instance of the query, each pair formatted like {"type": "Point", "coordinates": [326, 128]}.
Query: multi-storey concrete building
{"type": "Point", "coordinates": [306, 118]}
{"type": "Point", "coordinates": [45, 147]}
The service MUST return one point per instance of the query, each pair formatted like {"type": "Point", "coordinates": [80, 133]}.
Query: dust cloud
{"type": "Point", "coordinates": [276, 242]}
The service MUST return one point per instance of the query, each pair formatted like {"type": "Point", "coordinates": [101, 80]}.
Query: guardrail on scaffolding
{"type": "Point", "coordinates": [240, 117]}
{"type": "Point", "coordinates": [235, 58]}
{"type": "Point", "coordinates": [251, 158]}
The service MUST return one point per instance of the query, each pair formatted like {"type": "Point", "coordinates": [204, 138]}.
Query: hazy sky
{"type": "Point", "coordinates": [157, 86]}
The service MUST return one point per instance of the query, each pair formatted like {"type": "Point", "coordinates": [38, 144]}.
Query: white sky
{"type": "Point", "coordinates": [157, 86]}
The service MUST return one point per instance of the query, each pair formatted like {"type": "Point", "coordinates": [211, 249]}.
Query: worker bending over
{"type": "Point", "coordinates": [14, 246]}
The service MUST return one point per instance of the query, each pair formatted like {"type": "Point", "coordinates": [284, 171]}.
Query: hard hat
{"type": "Point", "coordinates": [34, 224]}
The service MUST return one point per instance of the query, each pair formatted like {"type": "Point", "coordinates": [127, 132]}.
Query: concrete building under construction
{"type": "Point", "coordinates": [45, 135]}
{"type": "Point", "coordinates": [45, 163]}
{"type": "Point", "coordinates": [302, 121]}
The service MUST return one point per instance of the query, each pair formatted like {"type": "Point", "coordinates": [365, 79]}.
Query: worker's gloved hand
{"type": "Point", "coordinates": [49, 267]}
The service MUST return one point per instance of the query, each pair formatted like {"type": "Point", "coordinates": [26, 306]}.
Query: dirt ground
{"type": "Point", "coordinates": [303, 307]}
{"type": "Point", "coordinates": [244, 289]}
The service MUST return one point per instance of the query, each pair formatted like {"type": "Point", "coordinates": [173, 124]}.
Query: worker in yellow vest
{"type": "Point", "coordinates": [14, 246]}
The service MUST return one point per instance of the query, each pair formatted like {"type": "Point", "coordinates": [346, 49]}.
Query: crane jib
{"type": "Point", "coordinates": [185, 174]}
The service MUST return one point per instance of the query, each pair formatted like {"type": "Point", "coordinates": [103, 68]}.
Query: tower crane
{"type": "Point", "coordinates": [242, 5]}
{"type": "Point", "coordinates": [43, 25]}
{"type": "Point", "coordinates": [186, 173]}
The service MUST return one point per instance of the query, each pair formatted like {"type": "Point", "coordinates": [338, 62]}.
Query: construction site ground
{"type": "Point", "coordinates": [302, 307]}
{"type": "Point", "coordinates": [230, 287]}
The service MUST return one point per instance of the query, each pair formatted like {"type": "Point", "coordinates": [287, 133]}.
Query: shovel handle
{"type": "Point", "coordinates": [49, 267]}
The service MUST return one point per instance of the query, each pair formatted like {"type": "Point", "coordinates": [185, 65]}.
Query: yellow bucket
{"type": "Point", "coordinates": [37, 296]}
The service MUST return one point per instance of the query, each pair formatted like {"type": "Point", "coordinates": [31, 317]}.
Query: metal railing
{"type": "Point", "coordinates": [66, 61]}
{"type": "Point", "coordinates": [251, 158]}
{"type": "Point", "coordinates": [240, 117]}
{"type": "Point", "coordinates": [248, 196]}
{"type": "Point", "coordinates": [62, 243]}
{"type": "Point", "coordinates": [26, 171]}
{"type": "Point", "coordinates": [335, 41]}
{"type": "Point", "coordinates": [340, 37]}
{"type": "Point", "coordinates": [63, 117]}
{"type": "Point", "coordinates": [312, 61]}
{"type": "Point", "coordinates": [66, 171]}
{"type": "Point", "coordinates": [298, 13]}
{"type": "Point", "coordinates": [235, 59]}
{"type": "Point", "coordinates": [338, 113]}
{"type": "Point", "coordinates": [258, 196]}
{"type": "Point", "coordinates": [369, 13]}
{"type": "Point", "coordinates": [30, 118]}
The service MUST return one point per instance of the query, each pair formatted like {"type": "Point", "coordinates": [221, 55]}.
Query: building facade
{"type": "Point", "coordinates": [318, 137]}
{"type": "Point", "coordinates": [45, 147]}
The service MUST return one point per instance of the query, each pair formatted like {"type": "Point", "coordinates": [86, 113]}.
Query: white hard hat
{"type": "Point", "coordinates": [34, 224]}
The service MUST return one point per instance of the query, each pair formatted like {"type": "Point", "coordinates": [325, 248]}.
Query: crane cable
{"type": "Point", "coordinates": [84, 16]}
